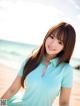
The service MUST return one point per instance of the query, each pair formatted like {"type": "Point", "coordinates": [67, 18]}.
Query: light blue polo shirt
{"type": "Point", "coordinates": [42, 90]}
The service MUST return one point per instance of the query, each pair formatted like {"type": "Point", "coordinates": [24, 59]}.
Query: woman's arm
{"type": "Point", "coordinates": [64, 96]}
{"type": "Point", "coordinates": [13, 89]}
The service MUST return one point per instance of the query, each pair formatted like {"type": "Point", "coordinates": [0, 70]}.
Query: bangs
{"type": "Point", "coordinates": [59, 35]}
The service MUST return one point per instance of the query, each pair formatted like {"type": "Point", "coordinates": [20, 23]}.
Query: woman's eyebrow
{"type": "Point", "coordinates": [53, 35]}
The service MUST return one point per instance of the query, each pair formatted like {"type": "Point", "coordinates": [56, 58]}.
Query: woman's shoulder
{"type": "Point", "coordinates": [66, 65]}
{"type": "Point", "coordinates": [22, 65]}
{"type": "Point", "coordinates": [67, 68]}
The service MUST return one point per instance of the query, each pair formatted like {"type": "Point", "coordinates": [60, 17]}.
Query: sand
{"type": "Point", "coordinates": [8, 74]}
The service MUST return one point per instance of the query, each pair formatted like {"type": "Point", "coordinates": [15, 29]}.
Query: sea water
{"type": "Point", "coordinates": [13, 54]}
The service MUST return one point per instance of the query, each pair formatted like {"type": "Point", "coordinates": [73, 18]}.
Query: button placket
{"type": "Point", "coordinates": [45, 70]}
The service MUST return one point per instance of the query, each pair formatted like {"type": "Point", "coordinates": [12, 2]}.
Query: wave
{"type": "Point", "coordinates": [13, 53]}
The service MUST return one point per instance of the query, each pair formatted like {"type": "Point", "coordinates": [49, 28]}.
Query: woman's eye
{"type": "Point", "coordinates": [60, 42]}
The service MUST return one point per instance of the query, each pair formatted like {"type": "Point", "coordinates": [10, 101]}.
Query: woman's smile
{"type": "Point", "coordinates": [50, 48]}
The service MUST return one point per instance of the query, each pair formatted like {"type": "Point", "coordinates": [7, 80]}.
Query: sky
{"type": "Point", "coordinates": [27, 21]}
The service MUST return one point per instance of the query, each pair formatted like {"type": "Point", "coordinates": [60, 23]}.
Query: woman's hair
{"type": "Point", "coordinates": [63, 30]}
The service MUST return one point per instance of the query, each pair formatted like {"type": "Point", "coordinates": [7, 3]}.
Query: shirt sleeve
{"type": "Point", "coordinates": [67, 80]}
{"type": "Point", "coordinates": [20, 72]}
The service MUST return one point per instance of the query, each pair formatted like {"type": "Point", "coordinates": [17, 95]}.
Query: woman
{"type": "Point", "coordinates": [47, 72]}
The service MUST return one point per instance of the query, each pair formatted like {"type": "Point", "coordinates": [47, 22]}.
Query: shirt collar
{"type": "Point", "coordinates": [53, 61]}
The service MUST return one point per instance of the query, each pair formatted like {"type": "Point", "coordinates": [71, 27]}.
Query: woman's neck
{"type": "Point", "coordinates": [49, 57]}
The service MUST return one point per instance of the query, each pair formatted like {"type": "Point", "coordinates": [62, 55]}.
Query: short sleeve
{"type": "Point", "coordinates": [67, 80]}
{"type": "Point", "coordinates": [20, 72]}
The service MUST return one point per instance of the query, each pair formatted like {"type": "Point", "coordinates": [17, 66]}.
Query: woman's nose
{"type": "Point", "coordinates": [54, 43]}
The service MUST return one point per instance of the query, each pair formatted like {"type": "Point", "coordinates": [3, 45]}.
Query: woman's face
{"type": "Point", "coordinates": [53, 45]}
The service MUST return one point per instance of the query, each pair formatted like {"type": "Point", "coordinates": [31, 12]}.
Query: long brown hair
{"type": "Point", "coordinates": [69, 36]}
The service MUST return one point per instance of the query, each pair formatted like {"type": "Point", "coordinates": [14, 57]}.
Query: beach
{"type": "Point", "coordinates": [8, 74]}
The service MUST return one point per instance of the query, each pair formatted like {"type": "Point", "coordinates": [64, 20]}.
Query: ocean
{"type": "Point", "coordinates": [13, 54]}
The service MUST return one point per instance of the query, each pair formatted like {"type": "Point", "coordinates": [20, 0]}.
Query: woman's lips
{"type": "Point", "coordinates": [50, 48]}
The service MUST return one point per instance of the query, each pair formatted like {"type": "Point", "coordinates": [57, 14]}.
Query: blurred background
{"type": "Point", "coordinates": [23, 25]}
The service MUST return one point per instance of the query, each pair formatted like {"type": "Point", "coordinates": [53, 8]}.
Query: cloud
{"type": "Point", "coordinates": [22, 20]}
{"type": "Point", "coordinates": [78, 17]}
{"type": "Point", "coordinates": [75, 3]}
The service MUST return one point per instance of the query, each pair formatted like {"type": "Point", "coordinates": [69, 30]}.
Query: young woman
{"type": "Point", "coordinates": [47, 73]}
